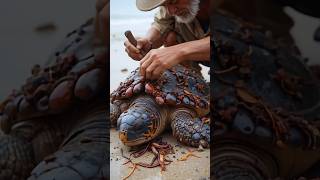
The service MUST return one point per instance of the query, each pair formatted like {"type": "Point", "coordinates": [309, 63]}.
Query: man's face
{"type": "Point", "coordinates": [184, 11]}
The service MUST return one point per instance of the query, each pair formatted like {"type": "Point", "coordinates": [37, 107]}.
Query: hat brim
{"type": "Point", "coordinates": [148, 5]}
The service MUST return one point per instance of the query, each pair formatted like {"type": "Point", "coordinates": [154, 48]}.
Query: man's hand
{"type": "Point", "coordinates": [159, 60]}
{"type": "Point", "coordinates": [137, 53]}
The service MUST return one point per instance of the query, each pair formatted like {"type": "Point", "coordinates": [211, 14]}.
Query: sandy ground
{"type": "Point", "coordinates": [194, 168]}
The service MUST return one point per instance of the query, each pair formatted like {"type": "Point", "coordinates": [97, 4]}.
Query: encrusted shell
{"type": "Point", "coordinates": [178, 86]}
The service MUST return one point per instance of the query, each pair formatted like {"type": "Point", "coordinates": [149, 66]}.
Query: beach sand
{"type": "Point", "coordinates": [192, 169]}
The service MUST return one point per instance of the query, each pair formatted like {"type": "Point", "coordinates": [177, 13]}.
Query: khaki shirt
{"type": "Point", "coordinates": [185, 32]}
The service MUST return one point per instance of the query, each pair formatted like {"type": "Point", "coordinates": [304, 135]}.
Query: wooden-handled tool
{"type": "Point", "coordinates": [131, 38]}
{"type": "Point", "coordinates": [133, 41]}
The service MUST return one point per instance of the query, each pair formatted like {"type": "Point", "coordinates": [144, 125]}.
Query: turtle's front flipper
{"type": "Point", "coordinates": [116, 108]}
{"type": "Point", "coordinates": [84, 153]}
{"type": "Point", "coordinates": [17, 158]}
{"type": "Point", "coordinates": [189, 129]}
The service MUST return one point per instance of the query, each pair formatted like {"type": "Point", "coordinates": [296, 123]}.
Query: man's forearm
{"type": "Point", "coordinates": [198, 50]}
{"type": "Point", "coordinates": [154, 36]}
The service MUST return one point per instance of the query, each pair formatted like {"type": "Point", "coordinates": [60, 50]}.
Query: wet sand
{"type": "Point", "coordinates": [192, 169]}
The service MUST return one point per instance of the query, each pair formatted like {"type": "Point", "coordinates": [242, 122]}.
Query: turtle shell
{"type": "Point", "coordinates": [178, 86]}
{"type": "Point", "coordinates": [74, 74]}
{"type": "Point", "coordinates": [262, 87]}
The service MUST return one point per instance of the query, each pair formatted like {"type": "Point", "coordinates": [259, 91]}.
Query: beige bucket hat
{"type": "Point", "coordinates": [147, 5]}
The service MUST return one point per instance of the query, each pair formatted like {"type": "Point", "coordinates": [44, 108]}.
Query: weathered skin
{"type": "Point", "coordinates": [265, 105]}
{"type": "Point", "coordinates": [55, 126]}
{"type": "Point", "coordinates": [143, 110]}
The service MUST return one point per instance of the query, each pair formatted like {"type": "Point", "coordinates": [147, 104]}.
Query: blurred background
{"type": "Point", "coordinates": [124, 16]}
{"type": "Point", "coordinates": [303, 33]}
{"type": "Point", "coordinates": [30, 31]}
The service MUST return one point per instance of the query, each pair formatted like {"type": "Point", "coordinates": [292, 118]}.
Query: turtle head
{"type": "Point", "coordinates": [139, 124]}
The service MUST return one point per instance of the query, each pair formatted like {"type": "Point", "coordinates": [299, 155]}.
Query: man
{"type": "Point", "coordinates": [181, 26]}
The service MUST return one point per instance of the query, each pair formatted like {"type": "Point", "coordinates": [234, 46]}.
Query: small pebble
{"type": "Point", "coordinates": [45, 27]}
{"type": "Point", "coordinates": [124, 70]}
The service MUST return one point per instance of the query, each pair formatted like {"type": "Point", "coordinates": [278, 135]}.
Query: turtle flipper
{"type": "Point", "coordinates": [116, 108]}
{"type": "Point", "coordinates": [83, 154]}
{"type": "Point", "coordinates": [17, 158]}
{"type": "Point", "coordinates": [189, 129]}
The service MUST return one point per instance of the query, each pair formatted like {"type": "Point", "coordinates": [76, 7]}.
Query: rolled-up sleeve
{"type": "Point", "coordinates": [163, 21]}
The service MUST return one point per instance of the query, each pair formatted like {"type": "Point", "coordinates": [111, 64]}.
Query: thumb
{"type": "Point", "coordinates": [140, 44]}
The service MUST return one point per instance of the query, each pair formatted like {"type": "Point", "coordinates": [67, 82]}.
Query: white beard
{"type": "Point", "coordinates": [191, 14]}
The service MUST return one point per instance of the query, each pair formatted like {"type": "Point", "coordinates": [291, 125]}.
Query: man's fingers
{"type": "Point", "coordinates": [131, 47]}
{"type": "Point", "coordinates": [151, 69]}
{"type": "Point", "coordinates": [144, 46]}
{"type": "Point", "coordinates": [132, 51]}
{"type": "Point", "coordinates": [134, 56]}
{"type": "Point", "coordinates": [144, 59]}
{"type": "Point", "coordinates": [157, 73]}
{"type": "Point", "coordinates": [141, 43]}
{"type": "Point", "coordinates": [144, 65]}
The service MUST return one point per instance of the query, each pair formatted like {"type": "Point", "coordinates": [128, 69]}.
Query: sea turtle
{"type": "Point", "coordinates": [143, 109]}
{"type": "Point", "coordinates": [266, 104]}
{"type": "Point", "coordinates": [54, 126]}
